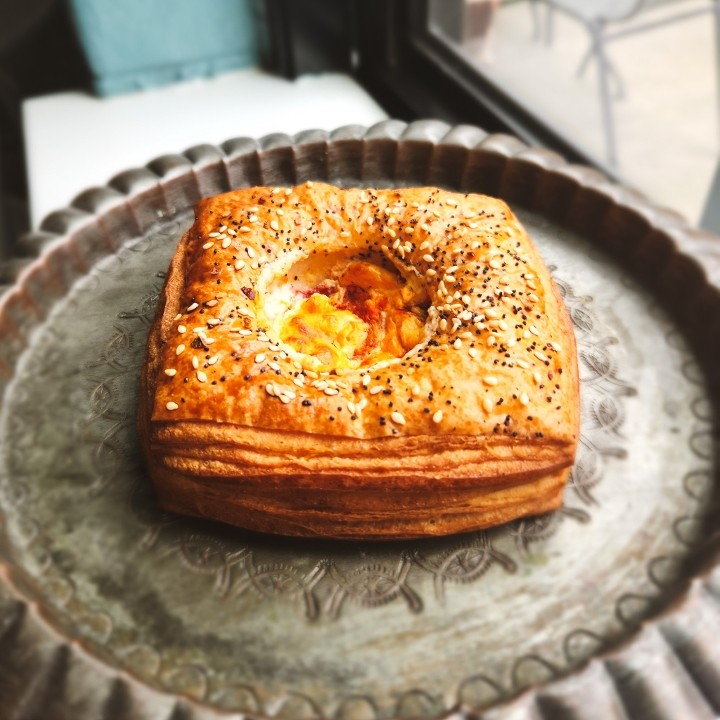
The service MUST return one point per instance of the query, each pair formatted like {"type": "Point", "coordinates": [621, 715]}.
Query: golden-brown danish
{"type": "Point", "coordinates": [359, 364]}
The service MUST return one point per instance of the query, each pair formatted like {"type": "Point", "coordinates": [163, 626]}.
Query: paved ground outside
{"type": "Point", "coordinates": [666, 121]}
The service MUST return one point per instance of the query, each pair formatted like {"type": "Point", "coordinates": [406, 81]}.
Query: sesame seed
{"type": "Point", "coordinates": [495, 264]}
{"type": "Point", "coordinates": [178, 316]}
{"type": "Point", "coordinates": [250, 252]}
{"type": "Point", "coordinates": [376, 389]}
{"type": "Point", "coordinates": [442, 324]}
{"type": "Point", "coordinates": [244, 331]}
{"type": "Point", "coordinates": [212, 322]}
{"type": "Point", "coordinates": [192, 306]}
{"type": "Point", "coordinates": [170, 372]}
{"type": "Point", "coordinates": [214, 234]}
{"type": "Point", "coordinates": [201, 376]}
{"type": "Point", "coordinates": [213, 359]}
{"type": "Point", "coordinates": [245, 229]}
{"type": "Point", "coordinates": [487, 403]}
{"type": "Point", "coordinates": [490, 380]}
{"type": "Point", "coordinates": [211, 303]}
{"type": "Point", "coordinates": [397, 418]}
{"type": "Point", "coordinates": [240, 264]}
{"type": "Point", "coordinates": [457, 344]}
{"type": "Point", "coordinates": [365, 380]}
{"type": "Point", "coordinates": [208, 245]}
{"type": "Point", "coordinates": [523, 364]}
{"type": "Point", "coordinates": [438, 416]}
{"type": "Point", "coordinates": [270, 389]}
{"type": "Point", "coordinates": [472, 352]}
{"type": "Point", "coordinates": [285, 399]}
{"type": "Point", "coordinates": [179, 349]}
{"type": "Point", "coordinates": [226, 243]}
{"type": "Point", "coordinates": [524, 399]}
{"type": "Point", "coordinates": [449, 278]}
{"type": "Point", "coordinates": [537, 377]}
{"type": "Point", "coordinates": [555, 346]}
{"type": "Point", "coordinates": [331, 391]}
{"type": "Point", "coordinates": [541, 356]}
{"type": "Point", "coordinates": [428, 258]}
{"type": "Point", "coordinates": [182, 329]}
{"type": "Point", "coordinates": [273, 366]}
{"type": "Point", "coordinates": [260, 357]}
{"type": "Point", "coordinates": [172, 405]}
{"type": "Point", "coordinates": [370, 220]}
{"type": "Point", "coordinates": [195, 362]}
{"type": "Point", "coordinates": [430, 272]}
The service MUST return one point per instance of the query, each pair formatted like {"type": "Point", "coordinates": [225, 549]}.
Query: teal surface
{"type": "Point", "coordinates": [140, 44]}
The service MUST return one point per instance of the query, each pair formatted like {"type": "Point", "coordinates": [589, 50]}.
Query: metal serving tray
{"type": "Point", "coordinates": [608, 608]}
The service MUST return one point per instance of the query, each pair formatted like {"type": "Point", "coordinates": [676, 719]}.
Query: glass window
{"type": "Point", "coordinates": [633, 83]}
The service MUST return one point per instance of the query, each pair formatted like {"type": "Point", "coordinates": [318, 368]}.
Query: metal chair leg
{"type": "Point", "coordinates": [549, 24]}
{"type": "Point", "coordinates": [535, 15]}
{"type": "Point", "coordinates": [604, 70]}
{"type": "Point", "coordinates": [591, 53]}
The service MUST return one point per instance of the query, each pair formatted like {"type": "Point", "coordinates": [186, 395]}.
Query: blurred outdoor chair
{"type": "Point", "coordinates": [606, 21]}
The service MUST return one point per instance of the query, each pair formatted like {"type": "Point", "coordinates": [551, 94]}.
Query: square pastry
{"type": "Point", "coordinates": [359, 363]}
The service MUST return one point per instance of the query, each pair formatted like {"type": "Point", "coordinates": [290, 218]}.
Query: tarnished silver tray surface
{"type": "Point", "coordinates": [608, 608]}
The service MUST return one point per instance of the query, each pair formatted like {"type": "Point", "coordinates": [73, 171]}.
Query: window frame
{"type": "Point", "coordinates": [414, 74]}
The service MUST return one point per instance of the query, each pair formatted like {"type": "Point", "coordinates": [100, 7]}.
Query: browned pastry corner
{"type": "Point", "coordinates": [359, 364]}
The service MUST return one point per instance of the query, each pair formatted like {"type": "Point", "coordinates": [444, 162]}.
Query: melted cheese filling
{"type": "Point", "coordinates": [360, 315]}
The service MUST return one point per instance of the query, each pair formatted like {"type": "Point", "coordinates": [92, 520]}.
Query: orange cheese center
{"type": "Point", "coordinates": [365, 315]}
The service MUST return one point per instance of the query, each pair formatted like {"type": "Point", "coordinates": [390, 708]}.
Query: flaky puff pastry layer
{"type": "Point", "coordinates": [474, 426]}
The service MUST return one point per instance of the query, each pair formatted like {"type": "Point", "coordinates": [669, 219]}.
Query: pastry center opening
{"type": "Point", "coordinates": [348, 313]}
